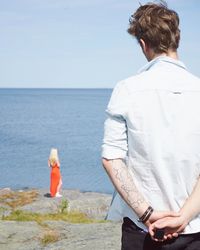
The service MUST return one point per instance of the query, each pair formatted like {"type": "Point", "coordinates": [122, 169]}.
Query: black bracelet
{"type": "Point", "coordinates": [146, 215]}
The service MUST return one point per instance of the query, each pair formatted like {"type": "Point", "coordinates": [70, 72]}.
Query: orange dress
{"type": "Point", "coordinates": [55, 179]}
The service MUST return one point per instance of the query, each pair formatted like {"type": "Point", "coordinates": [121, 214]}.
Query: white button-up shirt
{"type": "Point", "coordinates": [154, 123]}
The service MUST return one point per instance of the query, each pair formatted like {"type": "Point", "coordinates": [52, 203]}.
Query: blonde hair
{"type": "Point", "coordinates": [53, 157]}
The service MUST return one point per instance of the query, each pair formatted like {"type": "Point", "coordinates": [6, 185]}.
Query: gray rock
{"type": "Point", "coordinates": [97, 236]}
{"type": "Point", "coordinates": [19, 235]}
{"type": "Point", "coordinates": [5, 191]}
{"type": "Point", "coordinates": [27, 236]}
{"type": "Point", "coordinates": [95, 205]}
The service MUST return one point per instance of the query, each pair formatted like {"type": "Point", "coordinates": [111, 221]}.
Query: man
{"type": "Point", "coordinates": [151, 147]}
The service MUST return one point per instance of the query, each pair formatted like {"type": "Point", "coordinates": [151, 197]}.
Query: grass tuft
{"type": "Point", "coordinates": [49, 237]}
{"type": "Point", "coordinates": [64, 205]}
{"type": "Point", "coordinates": [71, 217]}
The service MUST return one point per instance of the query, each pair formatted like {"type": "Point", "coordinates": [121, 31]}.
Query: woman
{"type": "Point", "coordinates": [56, 180]}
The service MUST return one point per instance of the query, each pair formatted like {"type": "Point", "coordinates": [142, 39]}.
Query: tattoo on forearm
{"type": "Point", "coordinates": [129, 190]}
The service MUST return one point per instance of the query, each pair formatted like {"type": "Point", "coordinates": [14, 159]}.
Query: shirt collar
{"type": "Point", "coordinates": [158, 59]}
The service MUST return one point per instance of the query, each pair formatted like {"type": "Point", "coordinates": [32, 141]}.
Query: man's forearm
{"type": "Point", "coordinates": [124, 184]}
{"type": "Point", "coordinates": [191, 208]}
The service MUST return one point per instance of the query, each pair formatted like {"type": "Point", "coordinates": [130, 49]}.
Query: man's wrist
{"type": "Point", "coordinates": [186, 217]}
{"type": "Point", "coordinates": [146, 215]}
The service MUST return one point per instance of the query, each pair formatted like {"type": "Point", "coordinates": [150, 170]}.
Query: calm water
{"type": "Point", "coordinates": [34, 120]}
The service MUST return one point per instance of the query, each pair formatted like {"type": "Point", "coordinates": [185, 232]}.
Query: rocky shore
{"type": "Point", "coordinates": [58, 234]}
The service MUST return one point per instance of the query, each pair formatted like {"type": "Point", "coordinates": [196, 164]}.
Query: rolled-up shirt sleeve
{"type": "Point", "coordinates": [115, 130]}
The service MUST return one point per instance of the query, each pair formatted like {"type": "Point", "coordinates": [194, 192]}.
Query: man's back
{"type": "Point", "coordinates": [160, 106]}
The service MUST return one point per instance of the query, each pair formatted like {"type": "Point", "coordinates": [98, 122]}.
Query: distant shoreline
{"type": "Point", "coordinates": [47, 189]}
{"type": "Point", "coordinates": [22, 88]}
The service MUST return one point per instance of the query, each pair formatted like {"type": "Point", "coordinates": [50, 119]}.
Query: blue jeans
{"type": "Point", "coordinates": [134, 238]}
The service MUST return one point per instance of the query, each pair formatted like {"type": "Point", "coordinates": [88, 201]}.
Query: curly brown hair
{"type": "Point", "coordinates": [157, 25]}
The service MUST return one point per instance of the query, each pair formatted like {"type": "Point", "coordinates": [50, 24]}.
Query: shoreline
{"type": "Point", "coordinates": [44, 188]}
{"type": "Point", "coordinates": [93, 204]}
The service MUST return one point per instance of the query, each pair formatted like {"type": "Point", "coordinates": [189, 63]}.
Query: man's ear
{"type": "Point", "coordinates": [147, 51]}
{"type": "Point", "coordinates": [143, 45]}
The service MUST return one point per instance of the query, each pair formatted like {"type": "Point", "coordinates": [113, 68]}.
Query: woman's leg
{"type": "Point", "coordinates": [59, 186]}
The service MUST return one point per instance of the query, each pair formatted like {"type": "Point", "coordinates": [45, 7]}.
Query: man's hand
{"type": "Point", "coordinates": [161, 218]}
{"type": "Point", "coordinates": [173, 225]}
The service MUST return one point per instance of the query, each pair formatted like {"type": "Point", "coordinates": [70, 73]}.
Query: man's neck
{"type": "Point", "coordinates": [169, 53]}
{"type": "Point", "coordinates": [172, 54]}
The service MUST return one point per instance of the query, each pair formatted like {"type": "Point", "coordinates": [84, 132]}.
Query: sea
{"type": "Point", "coordinates": [32, 121]}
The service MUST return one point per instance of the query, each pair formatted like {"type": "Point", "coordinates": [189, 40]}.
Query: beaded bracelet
{"type": "Point", "coordinates": [146, 215]}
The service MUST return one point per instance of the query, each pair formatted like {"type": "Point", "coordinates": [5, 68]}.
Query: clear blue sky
{"type": "Point", "coordinates": [80, 43]}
